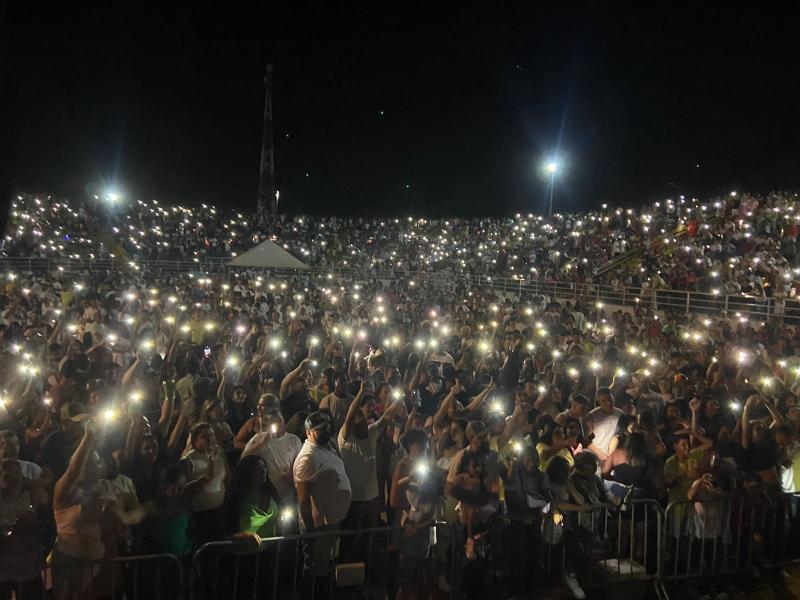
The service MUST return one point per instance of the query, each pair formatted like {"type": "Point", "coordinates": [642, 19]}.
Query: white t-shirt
{"type": "Point", "coordinates": [320, 467]}
{"type": "Point", "coordinates": [279, 453]}
{"type": "Point", "coordinates": [30, 471]}
{"type": "Point", "coordinates": [359, 457]}
{"type": "Point", "coordinates": [212, 494]}
{"type": "Point", "coordinates": [604, 426]}
{"type": "Point", "coordinates": [790, 476]}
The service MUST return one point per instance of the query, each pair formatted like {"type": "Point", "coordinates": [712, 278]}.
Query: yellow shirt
{"type": "Point", "coordinates": [678, 472]}
{"type": "Point", "coordinates": [66, 298]}
{"type": "Point", "coordinates": [563, 453]}
{"type": "Point", "coordinates": [198, 333]}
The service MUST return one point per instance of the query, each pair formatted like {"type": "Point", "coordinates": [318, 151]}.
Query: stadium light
{"type": "Point", "coordinates": [112, 196]}
{"type": "Point", "coordinates": [552, 167]}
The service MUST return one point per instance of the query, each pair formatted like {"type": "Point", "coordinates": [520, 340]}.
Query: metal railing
{"type": "Point", "coordinates": [606, 545]}
{"type": "Point", "coordinates": [308, 565]}
{"type": "Point", "coordinates": [725, 534]}
{"type": "Point", "coordinates": [669, 300]}
{"type": "Point", "coordinates": [143, 577]}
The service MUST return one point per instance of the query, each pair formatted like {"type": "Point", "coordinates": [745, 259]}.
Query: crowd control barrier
{"type": "Point", "coordinates": [144, 577]}
{"type": "Point", "coordinates": [608, 545]}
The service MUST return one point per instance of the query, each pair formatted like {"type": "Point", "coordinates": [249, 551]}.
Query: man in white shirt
{"type": "Point", "coordinates": [358, 440]}
{"type": "Point", "coordinates": [323, 493]}
{"type": "Point", "coordinates": [601, 423]}
{"type": "Point", "coordinates": [279, 450]}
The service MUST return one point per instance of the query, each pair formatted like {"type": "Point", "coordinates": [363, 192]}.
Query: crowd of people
{"type": "Point", "coordinates": [145, 412]}
{"type": "Point", "coordinates": [736, 244]}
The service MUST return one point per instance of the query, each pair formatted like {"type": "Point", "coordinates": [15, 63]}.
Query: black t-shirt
{"type": "Point", "coordinates": [296, 402]}
{"type": "Point", "coordinates": [758, 457]}
{"type": "Point", "coordinates": [430, 401]}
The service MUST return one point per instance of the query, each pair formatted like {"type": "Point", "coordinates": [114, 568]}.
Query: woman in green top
{"type": "Point", "coordinates": [252, 512]}
{"type": "Point", "coordinates": [252, 503]}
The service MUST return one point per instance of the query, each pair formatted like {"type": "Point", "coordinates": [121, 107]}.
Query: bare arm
{"type": "Point", "coordinates": [173, 352]}
{"type": "Point", "coordinates": [608, 465]}
{"type": "Point", "coordinates": [245, 431]}
{"type": "Point", "coordinates": [412, 416]}
{"type": "Point", "coordinates": [351, 363]}
{"type": "Point", "coordinates": [221, 388]}
{"type": "Point", "coordinates": [177, 432]}
{"type": "Point", "coordinates": [291, 377]}
{"type": "Point", "coordinates": [351, 413]}
{"type": "Point", "coordinates": [444, 408]}
{"type": "Point", "coordinates": [166, 416]}
{"type": "Point", "coordinates": [478, 400]}
{"type": "Point", "coordinates": [304, 504]}
{"type": "Point", "coordinates": [388, 414]}
{"type": "Point", "coordinates": [418, 372]}
{"type": "Point", "coordinates": [777, 419]}
{"type": "Point", "coordinates": [694, 405]}
{"type": "Point", "coordinates": [705, 443]}
{"type": "Point", "coordinates": [399, 484]}
{"type": "Point", "coordinates": [510, 428]}
{"type": "Point", "coordinates": [65, 486]}
{"type": "Point", "coordinates": [127, 378]}
{"type": "Point", "coordinates": [745, 438]}
{"type": "Point", "coordinates": [263, 440]}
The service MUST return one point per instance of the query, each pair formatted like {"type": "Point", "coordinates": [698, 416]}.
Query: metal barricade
{"type": "Point", "coordinates": [143, 577]}
{"type": "Point", "coordinates": [724, 534]}
{"type": "Point", "coordinates": [603, 545]}
{"type": "Point", "coordinates": [308, 565]}
{"type": "Point", "coordinates": [617, 544]}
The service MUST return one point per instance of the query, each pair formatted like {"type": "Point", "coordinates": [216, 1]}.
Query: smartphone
{"type": "Point", "coordinates": [207, 351]}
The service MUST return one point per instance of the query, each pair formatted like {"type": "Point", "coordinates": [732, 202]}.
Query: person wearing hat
{"type": "Point", "coordinates": [57, 448]}
{"type": "Point", "coordinates": [323, 494]}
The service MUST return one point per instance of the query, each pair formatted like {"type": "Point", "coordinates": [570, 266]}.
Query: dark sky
{"type": "Point", "coordinates": [167, 101]}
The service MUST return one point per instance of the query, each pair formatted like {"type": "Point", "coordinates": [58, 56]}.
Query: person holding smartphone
{"type": "Point", "coordinates": [206, 462]}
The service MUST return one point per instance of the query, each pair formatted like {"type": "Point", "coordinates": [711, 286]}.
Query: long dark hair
{"type": "Point", "coordinates": [241, 484]}
{"type": "Point", "coordinates": [636, 449]}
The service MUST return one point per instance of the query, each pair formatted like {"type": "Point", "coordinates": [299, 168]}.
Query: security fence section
{"type": "Point", "coordinates": [635, 541]}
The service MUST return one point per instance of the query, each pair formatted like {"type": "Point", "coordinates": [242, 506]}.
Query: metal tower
{"type": "Point", "coordinates": [266, 184]}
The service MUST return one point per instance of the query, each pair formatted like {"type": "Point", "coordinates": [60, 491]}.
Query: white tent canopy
{"type": "Point", "coordinates": [268, 255]}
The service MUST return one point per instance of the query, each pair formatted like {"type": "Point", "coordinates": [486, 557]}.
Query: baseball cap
{"type": "Point", "coordinates": [476, 428]}
{"type": "Point", "coordinates": [74, 411]}
{"type": "Point", "coordinates": [317, 420]}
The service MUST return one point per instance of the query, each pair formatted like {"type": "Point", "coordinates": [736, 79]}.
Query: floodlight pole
{"type": "Point", "coordinates": [266, 181]}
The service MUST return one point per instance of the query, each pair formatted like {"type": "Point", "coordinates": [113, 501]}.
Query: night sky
{"type": "Point", "coordinates": [401, 110]}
